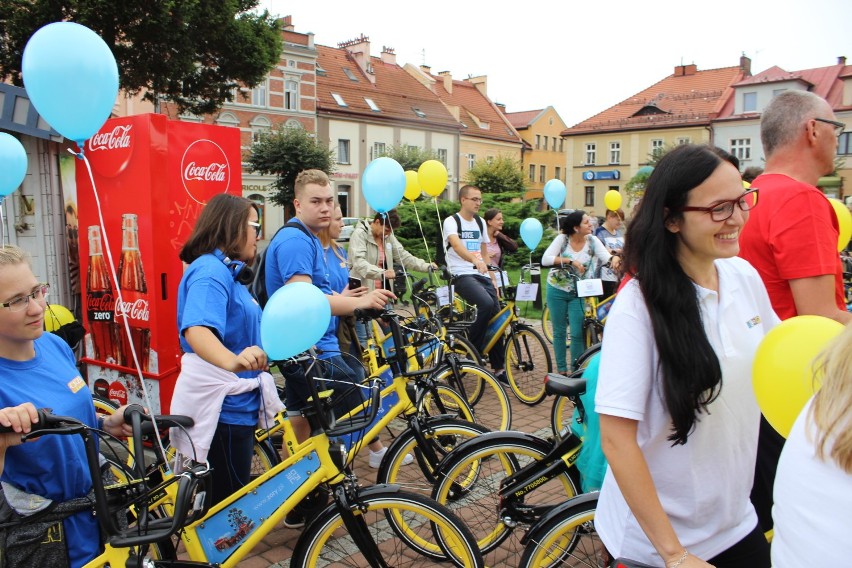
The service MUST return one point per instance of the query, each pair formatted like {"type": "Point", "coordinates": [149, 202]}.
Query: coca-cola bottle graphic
{"type": "Point", "coordinates": [134, 294]}
{"type": "Point", "coordinates": [100, 304]}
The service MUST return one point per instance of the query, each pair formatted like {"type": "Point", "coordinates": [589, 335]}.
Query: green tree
{"type": "Point", "coordinates": [191, 52]}
{"type": "Point", "coordinates": [409, 157]}
{"type": "Point", "coordinates": [285, 152]}
{"type": "Point", "coordinates": [497, 175]}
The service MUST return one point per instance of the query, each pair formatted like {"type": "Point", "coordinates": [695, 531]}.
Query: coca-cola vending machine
{"type": "Point", "coordinates": [153, 176]}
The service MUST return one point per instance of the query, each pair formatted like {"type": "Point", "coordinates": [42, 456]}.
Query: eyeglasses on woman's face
{"type": "Point", "coordinates": [21, 302]}
{"type": "Point", "coordinates": [256, 228]}
{"type": "Point", "coordinates": [723, 210]}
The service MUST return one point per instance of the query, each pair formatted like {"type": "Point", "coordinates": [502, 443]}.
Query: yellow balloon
{"type": "Point", "coordinates": [782, 373]}
{"type": "Point", "coordinates": [432, 176]}
{"type": "Point", "coordinates": [612, 200]}
{"type": "Point", "coordinates": [412, 186]}
{"type": "Point", "coordinates": [55, 316]}
{"type": "Point", "coordinates": [844, 220]}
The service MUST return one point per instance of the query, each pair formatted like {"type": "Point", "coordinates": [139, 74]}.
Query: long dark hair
{"type": "Point", "coordinates": [222, 224]}
{"type": "Point", "coordinates": [691, 373]}
{"type": "Point", "coordinates": [571, 221]}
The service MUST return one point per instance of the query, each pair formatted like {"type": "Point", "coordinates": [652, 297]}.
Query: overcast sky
{"type": "Point", "coordinates": [582, 57]}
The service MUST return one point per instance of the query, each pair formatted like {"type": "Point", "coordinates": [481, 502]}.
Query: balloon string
{"type": "Point", "coordinates": [422, 234]}
{"type": "Point", "coordinates": [120, 300]}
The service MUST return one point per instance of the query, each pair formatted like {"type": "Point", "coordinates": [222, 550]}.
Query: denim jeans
{"type": "Point", "coordinates": [478, 290]}
{"type": "Point", "coordinates": [565, 310]}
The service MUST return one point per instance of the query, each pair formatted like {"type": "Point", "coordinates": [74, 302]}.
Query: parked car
{"type": "Point", "coordinates": [348, 226]}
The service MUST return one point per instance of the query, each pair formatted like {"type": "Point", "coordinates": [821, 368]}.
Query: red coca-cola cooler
{"type": "Point", "coordinates": [153, 176]}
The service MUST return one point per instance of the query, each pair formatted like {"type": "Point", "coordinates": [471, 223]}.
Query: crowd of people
{"type": "Point", "coordinates": [704, 270]}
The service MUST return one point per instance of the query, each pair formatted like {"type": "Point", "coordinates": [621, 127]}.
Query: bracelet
{"type": "Point", "coordinates": [101, 422]}
{"type": "Point", "coordinates": [679, 560]}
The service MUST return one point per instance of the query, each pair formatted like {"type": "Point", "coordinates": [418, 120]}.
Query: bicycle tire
{"type": "Point", "coordinates": [566, 538]}
{"type": "Point", "coordinates": [264, 458]}
{"type": "Point", "coordinates": [470, 479]}
{"type": "Point", "coordinates": [448, 402]}
{"type": "Point", "coordinates": [417, 524]}
{"type": "Point", "coordinates": [561, 414]}
{"type": "Point", "coordinates": [491, 405]}
{"type": "Point", "coordinates": [103, 406]}
{"type": "Point", "coordinates": [461, 345]}
{"type": "Point", "coordinates": [547, 327]}
{"type": "Point", "coordinates": [528, 360]}
{"type": "Point", "coordinates": [443, 435]}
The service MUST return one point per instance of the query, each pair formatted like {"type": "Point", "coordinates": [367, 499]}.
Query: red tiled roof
{"type": "Point", "coordinates": [677, 100]}
{"type": "Point", "coordinates": [395, 92]}
{"type": "Point", "coordinates": [524, 118]}
{"type": "Point", "coordinates": [472, 103]}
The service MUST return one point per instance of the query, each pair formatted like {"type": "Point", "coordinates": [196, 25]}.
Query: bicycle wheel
{"type": "Point", "coordinates": [421, 533]}
{"type": "Point", "coordinates": [265, 457]}
{"type": "Point", "coordinates": [462, 346]}
{"type": "Point", "coordinates": [470, 480]}
{"type": "Point", "coordinates": [103, 406]}
{"type": "Point", "coordinates": [491, 405]}
{"type": "Point", "coordinates": [567, 537]}
{"type": "Point", "coordinates": [442, 435]}
{"type": "Point", "coordinates": [527, 362]}
{"type": "Point", "coordinates": [561, 414]}
{"type": "Point", "coordinates": [444, 400]}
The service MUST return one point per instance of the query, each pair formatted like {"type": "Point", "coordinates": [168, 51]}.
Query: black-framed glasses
{"type": "Point", "coordinates": [723, 210]}
{"type": "Point", "coordinates": [256, 226]}
{"type": "Point", "coordinates": [21, 302]}
{"type": "Point", "coordinates": [839, 127]}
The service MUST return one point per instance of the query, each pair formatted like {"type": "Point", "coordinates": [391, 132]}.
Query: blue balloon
{"type": "Point", "coordinates": [71, 77]}
{"type": "Point", "coordinates": [383, 184]}
{"type": "Point", "coordinates": [294, 319]}
{"type": "Point", "coordinates": [554, 193]}
{"type": "Point", "coordinates": [13, 164]}
{"type": "Point", "coordinates": [531, 232]}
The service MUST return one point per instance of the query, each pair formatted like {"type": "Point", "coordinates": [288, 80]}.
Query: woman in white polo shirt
{"type": "Point", "coordinates": [678, 416]}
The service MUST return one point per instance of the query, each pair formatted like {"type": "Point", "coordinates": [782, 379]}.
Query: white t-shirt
{"type": "Point", "coordinates": [471, 238]}
{"type": "Point", "coordinates": [703, 485]}
{"type": "Point", "coordinates": [813, 504]}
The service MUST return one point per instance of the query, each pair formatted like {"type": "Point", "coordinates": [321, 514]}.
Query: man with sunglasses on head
{"type": "Point", "coordinates": [791, 239]}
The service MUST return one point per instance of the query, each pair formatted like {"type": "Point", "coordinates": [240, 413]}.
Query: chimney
{"type": "Point", "coordinates": [287, 23]}
{"type": "Point", "coordinates": [684, 70]}
{"type": "Point", "coordinates": [501, 106]}
{"type": "Point", "coordinates": [359, 50]}
{"type": "Point", "coordinates": [388, 55]}
{"type": "Point", "coordinates": [426, 69]}
{"type": "Point", "coordinates": [481, 84]}
{"type": "Point", "coordinates": [841, 60]}
{"type": "Point", "coordinates": [745, 65]}
{"type": "Point", "coordinates": [448, 81]}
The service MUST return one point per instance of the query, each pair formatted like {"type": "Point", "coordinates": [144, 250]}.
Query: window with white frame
{"type": "Point", "coordinates": [259, 95]}
{"type": "Point", "coordinates": [844, 144]}
{"type": "Point", "coordinates": [542, 173]}
{"type": "Point", "coordinates": [260, 125]}
{"type": "Point", "coordinates": [750, 102]}
{"type": "Point", "coordinates": [590, 196]}
{"type": "Point", "coordinates": [471, 160]}
{"type": "Point", "coordinates": [741, 148]}
{"type": "Point", "coordinates": [291, 95]}
{"type": "Point", "coordinates": [532, 172]}
{"type": "Point", "coordinates": [682, 140]}
{"type": "Point", "coordinates": [378, 150]}
{"type": "Point", "coordinates": [591, 150]}
{"type": "Point", "coordinates": [343, 151]}
{"type": "Point", "coordinates": [615, 152]}
{"type": "Point", "coordinates": [442, 156]}
{"type": "Point", "coordinates": [656, 145]}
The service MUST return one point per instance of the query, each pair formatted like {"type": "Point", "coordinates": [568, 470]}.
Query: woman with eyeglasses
{"type": "Point", "coordinates": [678, 415]}
{"type": "Point", "coordinates": [223, 383]}
{"type": "Point", "coordinates": [38, 370]}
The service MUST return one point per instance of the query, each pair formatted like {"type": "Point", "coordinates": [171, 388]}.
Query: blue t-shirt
{"type": "Point", "coordinates": [291, 253]}
{"type": "Point", "coordinates": [209, 296]}
{"type": "Point", "coordinates": [338, 273]}
{"type": "Point", "coordinates": [53, 466]}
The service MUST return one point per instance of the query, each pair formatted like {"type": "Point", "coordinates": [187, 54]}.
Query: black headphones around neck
{"type": "Point", "coordinates": [240, 271]}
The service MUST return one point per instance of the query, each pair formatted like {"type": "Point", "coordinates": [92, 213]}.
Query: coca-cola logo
{"type": "Point", "coordinates": [118, 393]}
{"type": "Point", "coordinates": [110, 148]}
{"type": "Point", "coordinates": [136, 310]}
{"type": "Point", "coordinates": [205, 170]}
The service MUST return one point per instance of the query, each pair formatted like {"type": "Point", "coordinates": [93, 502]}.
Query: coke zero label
{"type": "Point", "coordinates": [99, 306]}
{"type": "Point", "coordinates": [205, 170]}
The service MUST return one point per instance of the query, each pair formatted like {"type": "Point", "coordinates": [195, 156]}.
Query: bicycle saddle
{"type": "Point", "coordinates": [557, 384]}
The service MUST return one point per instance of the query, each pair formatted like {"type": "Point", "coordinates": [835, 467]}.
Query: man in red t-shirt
{"type": "Point", "coordinates": [791, 236]}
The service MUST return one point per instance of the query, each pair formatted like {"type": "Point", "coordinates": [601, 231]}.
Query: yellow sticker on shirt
{"type": "Point", "coordinates": [76, 383]}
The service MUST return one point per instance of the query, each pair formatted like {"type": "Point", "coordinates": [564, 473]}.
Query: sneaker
{"type": "Point", "coordinates": [376, 458]}
{"type": "Point", "coordinates": [294, 520]}
{"type": "Point", "coordinates": [501, 376]}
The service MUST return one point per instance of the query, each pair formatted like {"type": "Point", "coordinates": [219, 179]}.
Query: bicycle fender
{"type": "Point", "coordinates": [558, 511]}
{"type": "Point", "coordinates": [490, 439]}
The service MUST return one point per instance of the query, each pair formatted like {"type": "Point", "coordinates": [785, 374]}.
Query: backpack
{"type": "Point", "coordinates": [441, 248]}
{"type": "Point", "coordinates": [257, 288]}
